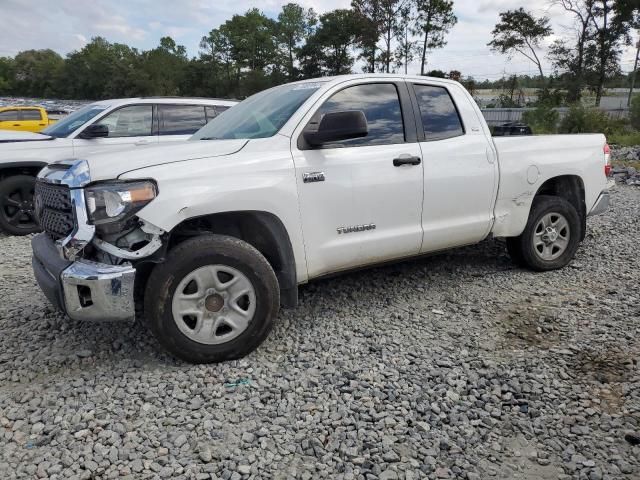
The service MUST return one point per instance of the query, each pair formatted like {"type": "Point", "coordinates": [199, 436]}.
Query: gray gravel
{"type": "Point", "coordinates": [453, 366]}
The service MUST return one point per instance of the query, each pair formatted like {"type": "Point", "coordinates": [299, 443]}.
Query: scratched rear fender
{"type": "Point", "coordinates": [527, 162]}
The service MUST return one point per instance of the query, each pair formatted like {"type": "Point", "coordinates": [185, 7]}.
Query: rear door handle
{"type": "Point", "coordinates": [408, 160]}
{"type": "Point", "coordinates": [142, 142]}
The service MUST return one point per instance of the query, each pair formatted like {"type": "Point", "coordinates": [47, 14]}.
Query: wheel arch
{"type": "Point", "coordinates": [571, 188]}
{"type": "Point", "coordinates": [20, 168]}
{"type": "Point", "coordinates": [263, 230]}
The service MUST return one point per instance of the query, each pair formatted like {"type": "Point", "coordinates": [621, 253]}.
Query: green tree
{"type": "Point", "coordinates": [581, 119]}
{"type": "Point", "coordinates": [610, 29]}
{"type": "Point", "coordinates": [368, 14]}
{"type": "Point", "coordinates": [253, 40]}
{"type": "Point", "coordinates": [470, 84]}
{"type": "Point", "coordinates": [312, 58]}
{"type": "Point", "coordinates": [336, 36]}
{"type": "Point", "coordinates": [105, 70]}
{"type": "Point", "coordinates": [542, 119]}
{"type": "Point", "coordinates": [391, 25]}
{"type": "Point", "coordinates": [407, 46]}
{"type": "Point", "coordinates": [572, 58]}
{"type": "Point", "coordinates": [37, 73]}
{"type": "Point", "coordinates": [294, 25]}
{"type": "Point", "coordinates": [164, 67]}
{"type": "Point", "coordinates": [436, 74]}
{"type": "Point", "coordinates": [7, 75]}
{"type": "Point", "coordinates": [434, 19]}
{"type": "Point", "coordinates": [520, 32]}
{"type": "Point", "coordinates": [216, 53]}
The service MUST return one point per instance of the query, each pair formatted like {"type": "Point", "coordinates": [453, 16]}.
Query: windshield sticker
{"type": "Point", "coordinates": [307, 86]}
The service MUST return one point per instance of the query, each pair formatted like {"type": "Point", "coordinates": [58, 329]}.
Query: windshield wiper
{"type": "Point", "coordinates": [211, 138]}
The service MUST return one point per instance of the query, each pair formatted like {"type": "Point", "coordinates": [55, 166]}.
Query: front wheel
{"type": "Point", "coordinates": [552, 235]}
{"type": "Point", "coordinates": [17, 215]}
{"type": "Point", "coordinates": [215, 298]}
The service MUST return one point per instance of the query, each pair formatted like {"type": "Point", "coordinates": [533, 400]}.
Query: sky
{"type": "Point", "coordinates": [67, 25]}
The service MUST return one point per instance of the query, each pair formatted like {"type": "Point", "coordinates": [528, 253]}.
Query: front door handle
{"type": "Point", "coordinates": [408, 160]}
{"type": "Point", "coordinates": [142, 142]}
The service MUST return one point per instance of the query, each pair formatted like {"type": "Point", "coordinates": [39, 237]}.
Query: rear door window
{"type": "Point", "coordinates": [440, 118]}
{"type": "Point", "coordinates": [181, 119]}
{"type": "Point", "coordinates": [213, 112]}
{"type": "Point", "coordinates": [31, 115]}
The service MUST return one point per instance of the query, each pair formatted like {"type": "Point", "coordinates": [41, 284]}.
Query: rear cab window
{"type": "Point", "coordinates": [440, 117]}
{"type": "Point", "coordinates": [181, 119]}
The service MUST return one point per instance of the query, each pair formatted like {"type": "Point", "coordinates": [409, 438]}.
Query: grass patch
{"type": "Point", "coordinates": [626, 139]}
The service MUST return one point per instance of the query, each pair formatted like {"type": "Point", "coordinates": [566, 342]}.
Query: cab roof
{"type": "Point", "coordinates": [118, 102]}
{"type": "Point", "coordinates": [21, 107]}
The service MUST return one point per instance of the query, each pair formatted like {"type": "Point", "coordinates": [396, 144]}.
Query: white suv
{"type": "Point", "coordinates": [99, 126]}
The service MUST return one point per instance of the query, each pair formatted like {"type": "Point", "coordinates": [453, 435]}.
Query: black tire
{"type": "Point", "coordinates": [185, 259]}
{"type": "Point", "coordinates": [17, 216]}
{"type": "Point", "coordinates": [522, 248]}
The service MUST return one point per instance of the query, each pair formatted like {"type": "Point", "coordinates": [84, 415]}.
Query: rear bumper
{"type": "Point", "coordinates": [84, 290]}
{"type": "Point", "coordinates": [601, 205]}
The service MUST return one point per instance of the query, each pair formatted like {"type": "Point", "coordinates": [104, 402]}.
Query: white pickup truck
{"type": "Point", "coordinates": [99, 126]}
{"type": "Point", "coordinates": [208, 238]}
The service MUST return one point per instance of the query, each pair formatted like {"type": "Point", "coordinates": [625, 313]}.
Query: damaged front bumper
{"type": "Point", "coordinates": [83, 289]}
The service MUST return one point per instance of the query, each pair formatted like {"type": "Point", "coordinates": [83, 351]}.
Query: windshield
{"type": "Point", "coordinates": [65, 127]}
{"type": "Point", "coordinates": [260, 115]}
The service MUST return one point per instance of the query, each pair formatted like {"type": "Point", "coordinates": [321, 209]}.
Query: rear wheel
{"type": "Point", "coordinates": [17, 215]}
{"type": "Point", "coordinates": [215, 298]}
{"type": "Point", "coordinates": [552, 235]}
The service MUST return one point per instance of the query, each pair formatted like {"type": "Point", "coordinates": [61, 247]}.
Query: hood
{"type": "Point", "coordinates": [10, 136]}
{"type": "Point", "coordinates": [110, 165]}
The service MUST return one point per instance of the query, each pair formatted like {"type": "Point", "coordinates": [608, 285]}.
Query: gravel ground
{"type": "Point", "coordinates": [453, 366]}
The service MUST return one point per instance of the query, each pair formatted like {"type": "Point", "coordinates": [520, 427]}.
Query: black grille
{"type": "Point", "coordinates": [53, 209]}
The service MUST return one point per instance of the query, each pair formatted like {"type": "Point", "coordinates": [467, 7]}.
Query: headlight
{"type": "Point", "coordinates": [114, 202]}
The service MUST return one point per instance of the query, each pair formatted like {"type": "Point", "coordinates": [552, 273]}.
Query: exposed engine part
{"type": "Point", "coordinates": [145, 239]}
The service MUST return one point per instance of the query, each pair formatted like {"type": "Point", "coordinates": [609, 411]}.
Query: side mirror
{"type": "Point", "coordinates": [95, 131]}
{"type": "Point", "coordinates": [337, 126]}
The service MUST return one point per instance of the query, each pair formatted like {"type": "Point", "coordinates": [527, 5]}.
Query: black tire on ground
{"type": "Point", "coordinates": [186, 258]}
{"type": "Point", "coordinates": [522, 248]}
{"type": "Point", "coordinates": [17, 216]}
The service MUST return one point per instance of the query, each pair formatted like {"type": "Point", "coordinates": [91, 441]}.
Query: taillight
{"type": "Point", "coordinates": [607, 159]}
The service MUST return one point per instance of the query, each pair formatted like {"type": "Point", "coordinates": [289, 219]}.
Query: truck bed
{"type": "Point", "coordinates": [527, 162]}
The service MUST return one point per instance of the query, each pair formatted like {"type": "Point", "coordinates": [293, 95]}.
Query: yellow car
{"type": "Point", "coordinates": [25, 119]}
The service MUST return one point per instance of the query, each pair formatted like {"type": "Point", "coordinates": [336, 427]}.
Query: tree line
{"type": "Point", "coordinates": [587, 57]}
{"type": "Point", "coordinates": [250, 52]}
